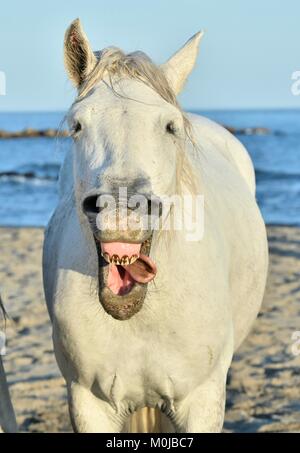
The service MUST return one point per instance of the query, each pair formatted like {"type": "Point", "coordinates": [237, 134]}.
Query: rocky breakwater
{"type": "Point", "coordinates": [54, 133]}
{"type": "Point", "coordinates": [32, 133]}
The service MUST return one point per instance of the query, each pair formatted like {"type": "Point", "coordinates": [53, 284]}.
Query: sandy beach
{"type": "Point", "coordinates": [264, 381]}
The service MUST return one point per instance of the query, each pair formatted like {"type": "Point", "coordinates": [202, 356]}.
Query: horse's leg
{"type": "Point", "coordinates": [202, 411]}
{"type": "Point", "coordinates": [7, 417]}
{"type": "Point", "coordinates": [89, 414]}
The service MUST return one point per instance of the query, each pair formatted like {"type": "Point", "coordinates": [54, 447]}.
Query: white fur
{"type": "Point", "coordinates": [175, 353]}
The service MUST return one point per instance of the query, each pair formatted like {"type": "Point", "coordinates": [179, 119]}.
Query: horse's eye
{"type": "Point", "coordinates": [170, 128]}
{"type": "Point", "coordinates": [76, 128]}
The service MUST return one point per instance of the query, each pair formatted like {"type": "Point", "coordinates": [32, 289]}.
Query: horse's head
{"type": "Point", "coordinates": [128, 132]}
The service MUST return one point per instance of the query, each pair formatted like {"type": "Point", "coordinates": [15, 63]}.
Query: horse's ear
{"type": "Point", "coordinates": [78, 55]}
{"type": "Point", "coordinates": [180, 65]}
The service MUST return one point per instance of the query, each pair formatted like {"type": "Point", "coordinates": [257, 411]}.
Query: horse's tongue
{"type": "Point", "coordinates": [142, 270]}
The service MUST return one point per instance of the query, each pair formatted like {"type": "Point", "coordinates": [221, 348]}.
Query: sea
{"type": "Point", "coordinates": [29, 167]}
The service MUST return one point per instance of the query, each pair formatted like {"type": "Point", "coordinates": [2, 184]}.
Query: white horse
{"type": "Point", "coordinates": [8, 422]}
{"type": "Point", "coordinates": [146, 321]}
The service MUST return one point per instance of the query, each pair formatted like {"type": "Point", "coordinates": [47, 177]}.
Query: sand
{"type": "Point", "coordinates": [264, 381]}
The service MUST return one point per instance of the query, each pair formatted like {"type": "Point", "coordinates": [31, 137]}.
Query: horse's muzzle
{"type": "Point", "coordinates": [123, 234]}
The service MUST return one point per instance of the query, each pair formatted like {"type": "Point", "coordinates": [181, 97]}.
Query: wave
{"type": "Point", "coordinates": [43, 172]}
{"type": "Point", "coordinates": [271, 175]}
{"type": "Point", "coordinates": [50, 172]}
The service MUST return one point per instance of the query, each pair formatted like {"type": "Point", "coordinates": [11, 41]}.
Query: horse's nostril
{"type": "Point", "coordinates": [89, 205]}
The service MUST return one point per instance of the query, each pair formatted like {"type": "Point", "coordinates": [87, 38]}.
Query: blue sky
{"type": "Point", "coordinates": [247, 56]}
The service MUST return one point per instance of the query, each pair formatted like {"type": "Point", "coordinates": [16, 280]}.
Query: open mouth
{"type": "Point", "coordinates": [128, 264]}
{"type": "Point", "coordinates": [124, 265]}
{"type": "Point", "coordinates": [125, 269]}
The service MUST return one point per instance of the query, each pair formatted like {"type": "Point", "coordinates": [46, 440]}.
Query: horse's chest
{"type": "Point", "coordinates": [142, 363]}
{"type": "Point", "coordinates": [148, 374]}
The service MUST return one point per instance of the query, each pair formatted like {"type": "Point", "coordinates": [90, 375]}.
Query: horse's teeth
{"type": "Point", "coordinates": [125, 260]}
{"type": "Point", "coordinates": [115, 259]}
{"type": "Point", "coordinates": [133, 259]}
